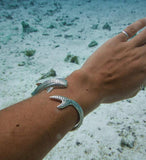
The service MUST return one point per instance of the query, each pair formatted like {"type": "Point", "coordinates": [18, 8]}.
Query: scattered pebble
{"type": "Point", "coordinates": [107, 26]}
{"type": "Point", "coordinates": [143, 88]}
{"type": "Point", "coordinates": [94, 26]}
{"type": "Point", "coordinates": [78, 143]}
{"type": "Point", "coordinates": [67, 58]}
{"type": "Point", "coordinates": [67, 21]}
{"type": "Point", "coordinates": [26, 28]}
{"type": "Point", "coordinates": [72, 59]}
{"type": "Point", "coordinates": [58, 35]}
{"type": "Point", "coordinates": [22, 63]}
{"type": "Point", "coordinates": [29, 53]}
{"type": "Point", "coordinates": [110, 123]}
{"type": "Point", "coordinates": [68, 36]}
{"type": "Point", "coordinates": [88, 151]}
{"type": "Point", "coordinates": [31, 3]}
{"type": "Point", "coordinates": [52, 26]}
{"type": "Point", "coordinates": [64, 23]}
{"type": "Point", "coordinates": [120, 150]}
{"type": "Point", "coordinates": [45, 34]}
{"type": "Point", "coordinates": [128, 137]}
{"type": "Point", "coordinates": [51, 73]}
{"type": "Point", "coordinates": [128, 141]}
{"type": "Point", "coordinates": [57, 46]}
{"type": "Point", "coordinates": [128, 100]}
{"type": "Point", "coordinates": [92, 44]}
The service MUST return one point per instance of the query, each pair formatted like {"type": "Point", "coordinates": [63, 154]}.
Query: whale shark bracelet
{"type": "Point", "coordinates": [65, 102]}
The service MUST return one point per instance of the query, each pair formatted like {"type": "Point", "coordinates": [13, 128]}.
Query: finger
{"type": "Point", "coordinates": [142, 50]}
{"type": "Point", "coordinates": [139, 40]}
{"type": "Point", "coordinates": [131, 30]}
{"type": "Point", "coordinates": [141, 58]}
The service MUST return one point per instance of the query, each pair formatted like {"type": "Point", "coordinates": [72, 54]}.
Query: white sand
{"type": "Point", "coordinates": [99, 138]}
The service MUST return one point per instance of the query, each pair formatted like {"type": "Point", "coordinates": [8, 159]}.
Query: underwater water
{"type": "Point", "coordinates": [40, 39]}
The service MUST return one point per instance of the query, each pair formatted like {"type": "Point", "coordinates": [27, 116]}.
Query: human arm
{"type": "Point", "coordinates": [29, 129]}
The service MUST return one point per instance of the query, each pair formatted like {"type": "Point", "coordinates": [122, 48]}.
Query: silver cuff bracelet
{"type": "Point", "coordinates": [69, 102]}
{"type": "Point", "coordinates": [60, 83]}
{"type": "Point", "coordinates": [49, 85]}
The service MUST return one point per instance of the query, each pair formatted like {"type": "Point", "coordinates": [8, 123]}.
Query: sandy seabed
{"type": "Point", "coordinates": [114, 131]}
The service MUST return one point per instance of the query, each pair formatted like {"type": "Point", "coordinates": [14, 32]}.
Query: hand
{"type": "Point", "coordinates": [118, 67]}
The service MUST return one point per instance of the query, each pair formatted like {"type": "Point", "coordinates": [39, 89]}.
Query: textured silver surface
{"type": "Point", "coordinates": [69, 102]}
{"type": "Point", "coordinates": [50, 84]}
{"type": "Point", "coordinates": [126, 34]}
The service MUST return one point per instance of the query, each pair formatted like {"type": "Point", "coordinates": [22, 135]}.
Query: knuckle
{"type": "Point", "coordinates": [142, 21]}
{"type": "Point", "coordinates": [131, 30]}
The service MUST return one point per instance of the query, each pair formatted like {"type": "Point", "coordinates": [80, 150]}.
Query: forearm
{"type": "Point", "coordinates": [29, 129]}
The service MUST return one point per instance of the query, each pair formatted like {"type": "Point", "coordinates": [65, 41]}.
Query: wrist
{"type": "Point", "coordinates": [82, 89]}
